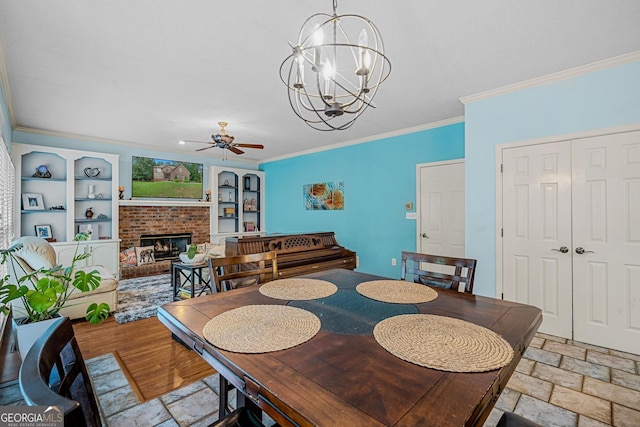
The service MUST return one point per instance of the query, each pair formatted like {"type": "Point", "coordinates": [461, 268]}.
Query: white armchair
{"type": "Point", "coordinates": [37, 253]}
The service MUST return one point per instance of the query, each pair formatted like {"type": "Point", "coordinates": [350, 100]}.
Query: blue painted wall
{"type": "Point", "coordinates": [379, 178]}
{"type": "Point", "coordinates": [5, 131]}
{"type": "Point", "coordinates": [601, 99]}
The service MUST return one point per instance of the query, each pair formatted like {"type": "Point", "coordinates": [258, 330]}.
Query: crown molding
{"type": "Point", "coordinates": [555, 77]}
{"type": "Point", "coordinates": [78, 137]}
{"type": "Point", "coordinates": [391, 134]}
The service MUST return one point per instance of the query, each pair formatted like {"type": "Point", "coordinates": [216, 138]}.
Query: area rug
{"type": "Point", "coordinates": [140, 297]}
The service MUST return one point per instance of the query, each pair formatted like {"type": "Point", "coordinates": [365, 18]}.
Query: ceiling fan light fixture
{"type": "Point", "coordinates": [335, 69]}
{"type": "Point", "coordinates": [225, 142]}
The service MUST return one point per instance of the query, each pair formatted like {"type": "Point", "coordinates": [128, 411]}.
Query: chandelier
{"type": "Point", "coordinates": [335, 69]}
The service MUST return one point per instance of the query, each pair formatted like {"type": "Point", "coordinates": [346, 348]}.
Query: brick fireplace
{"type": "Point", "coordinates": [136, 221]}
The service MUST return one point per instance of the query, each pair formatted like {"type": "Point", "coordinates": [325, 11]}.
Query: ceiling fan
{"type": "Point", "coordinates": [225, 141]}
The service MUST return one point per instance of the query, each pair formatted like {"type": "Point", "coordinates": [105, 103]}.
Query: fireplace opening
{"type": "Point", "coordinates": [166, 246]}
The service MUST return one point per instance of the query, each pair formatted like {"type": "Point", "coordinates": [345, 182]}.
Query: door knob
{"type": "Point", "coordinates": [580, 251]}
{"type": "Point", "coordinates": [562, 249]}
{"type": "Point", "coordinates": [425, 235]}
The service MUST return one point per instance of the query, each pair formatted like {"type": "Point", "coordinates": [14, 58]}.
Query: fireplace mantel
{"type": "Point", "coordinates": [151, 202]}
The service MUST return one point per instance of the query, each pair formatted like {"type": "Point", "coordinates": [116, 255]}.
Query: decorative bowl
{"type": "Point", "coordinates": [197, 258]}
{"type": "Point", "coordinates": [92, 172]}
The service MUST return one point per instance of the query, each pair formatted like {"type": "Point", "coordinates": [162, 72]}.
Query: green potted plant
{"type": "Point", "coordinates": [45, 291]}
{"type": "Point", "coordinates": [191, 256]}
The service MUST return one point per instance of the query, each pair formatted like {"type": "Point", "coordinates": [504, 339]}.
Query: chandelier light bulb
{"type": "Point", "coordinates": [346, 69]}
{"type": "Point", "coordinates": [327, 74]}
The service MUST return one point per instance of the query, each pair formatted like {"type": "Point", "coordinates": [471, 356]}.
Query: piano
{"type": "Point", "coordinates": [297, 253]}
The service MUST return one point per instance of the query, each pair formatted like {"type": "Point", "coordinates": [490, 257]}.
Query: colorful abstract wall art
{"type": "Point", "coordinates": [323, 196]}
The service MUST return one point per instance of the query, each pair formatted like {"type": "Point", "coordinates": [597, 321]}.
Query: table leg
{"type": "Point", "coordinates": [192, 275]}
{"type": "Point", "coordinates": [174, 279]}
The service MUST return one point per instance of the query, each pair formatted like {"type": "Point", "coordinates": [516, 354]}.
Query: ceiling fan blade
{"type": "Point", "coordinates": [205, 148]}
{"type": "Point", "coordinates": [260, 146]}
{"type": "Point", "coordinates": [235, 150]}
{"type": "Point", "coordinates": [197, 142]}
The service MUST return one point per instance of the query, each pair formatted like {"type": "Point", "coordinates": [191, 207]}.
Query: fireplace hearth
{"type": "Point", "coordinates": [167, 246]}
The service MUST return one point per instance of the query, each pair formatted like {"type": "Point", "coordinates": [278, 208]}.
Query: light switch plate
{"type": "Point", "coordinates": [411, 215]}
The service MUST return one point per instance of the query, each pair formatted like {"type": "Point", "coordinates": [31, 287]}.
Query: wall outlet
{"type": "Point", "coordinates": [357, 261]}
{"type": "Point", "coordinates": [393, 261]}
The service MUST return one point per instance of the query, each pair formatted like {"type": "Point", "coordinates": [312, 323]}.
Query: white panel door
{"type": "Point", "coordinates": [606, 240]}
{"type": "Point", "coordinates": [441, 198]}
{"type": "Point", "coordinates": [537, 232]}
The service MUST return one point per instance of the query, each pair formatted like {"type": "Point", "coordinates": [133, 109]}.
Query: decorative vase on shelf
{"type": "Point", "coordinates": [42, 172]}
{"type": "Point", "coordinates": [92, 192]}
{"type": "Point", "coordinates": [88, 213]}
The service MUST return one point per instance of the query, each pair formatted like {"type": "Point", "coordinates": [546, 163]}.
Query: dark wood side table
{"type": "Point", "coordinates": [193, 275]}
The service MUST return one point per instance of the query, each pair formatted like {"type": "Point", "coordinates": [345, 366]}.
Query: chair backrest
{"type": "Point", "coordinates": [54, 374]}
{"type": "Point", "coordinates": [238, 271]}
{"type": "Point", "coordinates": [462, 270]}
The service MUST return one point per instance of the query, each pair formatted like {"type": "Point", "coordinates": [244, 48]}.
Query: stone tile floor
{"type": "Point", "coordinates": [566, 383]}
{"type": "Point", "coordinates": [193, 405]}
{"type": "Point", "coordinates": [559, 382]}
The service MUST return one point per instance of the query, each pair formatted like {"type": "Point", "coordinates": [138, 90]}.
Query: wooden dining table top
{"type": "Point", "coordinates": [347, 379]}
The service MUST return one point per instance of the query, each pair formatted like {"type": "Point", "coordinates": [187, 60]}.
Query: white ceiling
{"type": "Point", "coordinates": [153, 72]}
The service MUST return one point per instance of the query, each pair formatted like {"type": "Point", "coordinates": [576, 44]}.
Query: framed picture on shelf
{"type": "Point", "coordinates": [44, 231]}
{"type": "Point", "coordinates": [32, 202]}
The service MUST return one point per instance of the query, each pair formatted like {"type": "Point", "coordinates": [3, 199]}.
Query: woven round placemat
{"type": "Point", "coordinates": [443, 343]}
{"type": "Point", "coordinates": [297, 289]}
{"type": "Point", "coordinates": [396, 291]}
{"type": "Point", "coordinates": [261, 328]}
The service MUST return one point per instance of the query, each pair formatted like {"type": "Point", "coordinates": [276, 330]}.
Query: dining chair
{"type": "Point", "coordinates": [233, 272]}
{"type": "Point", "coordinates": [54, 374]}
{"type": "Point", "coordinates": [459, 270]}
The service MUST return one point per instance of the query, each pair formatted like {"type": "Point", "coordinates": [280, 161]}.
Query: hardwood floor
{"type": "Point", "coordinates": [153, 361]}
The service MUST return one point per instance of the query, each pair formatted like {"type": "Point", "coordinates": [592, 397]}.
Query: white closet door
{"type": "Point", "coordinates": [606, 226]}
{"type": "Point", "coordinates": [441, 198]}
{"type": "Point", "coordinates": [537, 231]}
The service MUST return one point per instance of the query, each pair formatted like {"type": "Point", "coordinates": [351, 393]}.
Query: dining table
{"type": "Point", "coordinates": [342, 375]}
